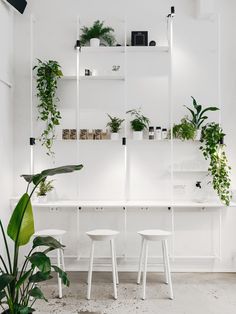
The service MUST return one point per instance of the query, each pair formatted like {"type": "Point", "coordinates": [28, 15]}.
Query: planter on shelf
{"type": "Point", "coordinates": [138, 135]}
{"type": "Point", "coordinates": [115, 136]}
{"type": "Point", "coordinates": [198, 135]}
{"type": "Point", "coordinates": [94, 42]}
{"type": "Point", "coordinates": [42, 199]}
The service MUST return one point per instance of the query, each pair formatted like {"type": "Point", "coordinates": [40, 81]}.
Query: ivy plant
{"type": "Point", "coordinates": [213, 148]}
{"type": "Point", "coordinates": [18, 290]}
{"type": "Point", "coordinates": [47, 74]}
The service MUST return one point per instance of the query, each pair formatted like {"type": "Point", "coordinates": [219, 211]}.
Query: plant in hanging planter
{"type": "Point", "coordinates": [18, 290]}
{"type": "Point", "coordinates": [115, 125]}
{"type": "Point", "coordinates": [95, 33]}
{"type": "Point", "coordinates": [213, 148]}
{"type": "Point", "coordinates": [138, 124]}
{"type": "Point", "coordinates": [184, 131]}
{"type": "Point", "coordinates": [48, 74]}
{"type": "Point", "coordinates": [199, 116]}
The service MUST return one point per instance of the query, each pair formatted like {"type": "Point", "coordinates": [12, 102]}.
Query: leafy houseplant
{"type": "Point", "coordinates": [18, 284]}
{"type": "Point", "coordinates": [48, 74]}
{"type": "Point", "coordinates": [214, 150]}
{"type": "Point", "coordinates": [184, 131]}
{"type": "Point", "coordinates": [115, 126]}
{"type": "Point", "coordinates": [95, 33]}
{"type": "Point", "coordinates": [44, 188]}
{"type": "Point", "coordinates": [199, 115]}
{"type": "Point", "coordinates": [139, 123]}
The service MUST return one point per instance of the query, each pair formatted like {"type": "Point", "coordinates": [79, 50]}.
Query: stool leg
{"type": "Point", "coordinates": [90, 271]}
{"type": "Point", "coordinates": [140, 262]}
{"type": "Point", "coordinates": [59, 279]}
{"type": "Point", "coordinates": [168, 268]}
{"type": "Point", "coordinates": [62, 256]}
{"type": "Point", "coordinates": [145, 268]}
{"type": "Point", "coordinates": [117, 277]}
{"type": "Point", "coordinates": [164, 261]}
{"type": "Point", "coordinates": [113, 269]}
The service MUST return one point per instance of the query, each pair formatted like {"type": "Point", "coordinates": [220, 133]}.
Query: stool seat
{"type": "Point", "coordinates": [155, 234]}
{"type": "Point", "coordinates": [102, 234]}
{"type": "Point", "coordinates": [50, 232]}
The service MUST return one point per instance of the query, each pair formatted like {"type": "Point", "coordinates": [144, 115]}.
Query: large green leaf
{"type": "Point", "coordinates": [2, 295]}
{"type": "Point", "coordinates": [5, 280]}
{"type": "Point", "coordinates": [51, 172]}
{"type": "Point", "coordinates": [23, 278]}
{"type": "Point", "coordinates": [47, 241]}
{"type": "Point", "coordinates": [62, 275]}
{"type": "Point", "coordinates": [36, 293]}
{"type": "Point", "coordinates": [39, 277]}
{"type": "Point", "coordinates": [41, 261]}
{"type": "Point", "coordinates": [25, 310]}
{"type": "Point", "coordinates": [21, 224]}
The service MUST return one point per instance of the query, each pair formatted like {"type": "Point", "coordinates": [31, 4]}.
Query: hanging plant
{"type": "Point", "coordinates": [213, 148]}
{"type": "Point", "coordinates": [48, 74]}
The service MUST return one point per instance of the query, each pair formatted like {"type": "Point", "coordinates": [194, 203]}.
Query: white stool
{"type": "Point", "coordinates": [57, 234]}
{"type": "Point", "coordinates": [103, 235]}
{"type": "Point", "coordinates": [154, 235]}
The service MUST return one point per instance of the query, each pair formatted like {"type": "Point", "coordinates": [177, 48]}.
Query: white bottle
{"type": "Point", "coordinates": [164, 134]}
{"type": "Point", "coordinates": [158, 133]}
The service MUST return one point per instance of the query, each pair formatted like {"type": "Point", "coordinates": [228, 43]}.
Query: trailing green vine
{"type": "Point", "coordinates": [213, 148]}
{"type": "Point", "coordinates": [48, 74]}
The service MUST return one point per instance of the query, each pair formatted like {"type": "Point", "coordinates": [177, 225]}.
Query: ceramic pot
{"type": "Point", "coordinates": [42, 199]}
{"type": "Point", "coordinates": [138, 135]}
{"type": "Point", "coordinates": [94, 42]}
{"type": "Point", "coordinates": [115, 136]}
{"type": "Point", "coordinates": [198, 135]}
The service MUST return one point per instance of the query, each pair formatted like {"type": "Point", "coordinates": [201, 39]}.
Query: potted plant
{"type": "Point", "coordinates": [138, 124]}
{"type": "Point", "coordinates": [115, 125]}
{"type": "Point", "coordinates": [184, 131]}
{"type": "Point", "coordinates": [44, 188]}
{"type": "Point", "coordinates": [18, 290]}
{"type": "Point", "coordinates": [47, 74]}
{"type": "Point", "coordinates": [199, 116]}
{"type": "Point", "coordinates": [213, 148]}
{"type": "Point", "coordinates": [96, 33]}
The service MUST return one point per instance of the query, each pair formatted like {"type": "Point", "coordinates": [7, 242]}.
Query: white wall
{"type": "Point", "coordinates": [6, 116]}
{"type": "Point", "coordinates": [195, 73]}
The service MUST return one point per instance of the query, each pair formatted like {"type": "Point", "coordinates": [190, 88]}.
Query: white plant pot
{"type": "Point", "coordinates": [138, 135]}
{"type": "Point", "coordinates": [94, 42]}
{"type": "Point", "coordinates": [198, 135]}
{"type": "Point", "coordinates": [42, 199]}
{"type": "Point", "coordinates": [115, 136]}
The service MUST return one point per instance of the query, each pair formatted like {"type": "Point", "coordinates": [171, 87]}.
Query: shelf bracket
{"type": "Point", "coordinates": [32, 141]}
{"type": "Point", "coordinates": [124, 141]}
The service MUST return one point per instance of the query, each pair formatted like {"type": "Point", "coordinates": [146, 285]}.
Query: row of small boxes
{"type": "Point", "coordinates": [85, 134]}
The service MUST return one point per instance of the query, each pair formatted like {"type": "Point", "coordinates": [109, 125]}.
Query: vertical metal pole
{"type": "Point", "coordinates": [78, 100]}
{"type": "Point", "coordinates": [219, 66]}
{"type": "Point", "coordinates": [31, 92]}
{"type": "Point", "coordinates": [220, 233]}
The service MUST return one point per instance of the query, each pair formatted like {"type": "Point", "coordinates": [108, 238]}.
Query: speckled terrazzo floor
{"type": "Point", "coordinates": [195, 293]}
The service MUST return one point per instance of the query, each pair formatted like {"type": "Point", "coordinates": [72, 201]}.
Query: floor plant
{"type": "Point", "coordinates": [18, 290]}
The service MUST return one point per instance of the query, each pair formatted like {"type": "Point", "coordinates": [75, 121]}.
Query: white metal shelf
{"type": "Point", "coordinates": [128, 49]}
{"type": "Point", "coordinates": [102, 77]}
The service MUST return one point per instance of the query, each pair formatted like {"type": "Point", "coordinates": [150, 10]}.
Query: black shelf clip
{"type": "Point", "coordinates": [32, 141]}
{"type": "Point", "coordinates": [124, 141]}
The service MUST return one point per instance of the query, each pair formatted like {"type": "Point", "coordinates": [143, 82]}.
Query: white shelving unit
{"type": "Point", "coordinates": [112, 177]}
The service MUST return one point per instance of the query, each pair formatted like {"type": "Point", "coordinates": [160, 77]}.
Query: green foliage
{"type": "Point", "coordinates": [45, 187]}
{"type": "Point", "coordinates": [184, 131]}
{"type": "Point", "coordinates": [17, 284]}
{"type": "Point", "coordinates": [214, 150]}
{"type": "Point", "coordinates": [140, 122]}
{"type": "Point", "coordinates": [97, 30]}
{"type": "Point", "coordinates": [48, 74]}
{"type": "Point", "coordinates": [115, 124]}
{"type": "Point", "coordinates": [199, 114]}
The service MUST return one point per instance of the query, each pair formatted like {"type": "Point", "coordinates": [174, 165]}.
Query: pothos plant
{"type": "Point", "coordinates": [47, 74]}
{"type": "Point", "coordinates": [18, 290]}
{"type": "Point", "coordinates": [213, 148]}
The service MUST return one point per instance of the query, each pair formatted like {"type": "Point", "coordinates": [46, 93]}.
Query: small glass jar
{"type": "Point", "coordinates": [151, 133]}
{"type": "Point", "coordinates": [158, 133]}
